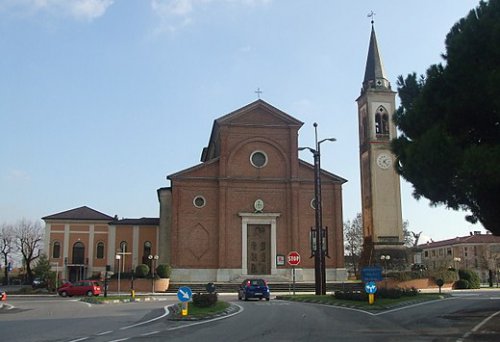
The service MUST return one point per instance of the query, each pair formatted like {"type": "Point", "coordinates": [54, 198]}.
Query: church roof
{"type": "Point", "coordinates": [334, 177]}
{"type": "Point", "coordinates": [80, 214]}
{"type": "Point", "coordinates": [374, 70]}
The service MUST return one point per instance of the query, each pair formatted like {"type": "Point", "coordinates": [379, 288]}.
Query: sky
{"type": "Point", "coordinates": [100, 100]}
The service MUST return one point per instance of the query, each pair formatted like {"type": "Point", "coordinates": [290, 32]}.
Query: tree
{"type": "Point", "coordinates": [449, 148]}
{"type": "Point", "coordinates": [28, 238]}
{"type": "Point", "coordinates": [353, 241]}
{"type": "Point", "coordinates": [408, 236]}
{"type": "Point", "coordinates": [43, 271]}
{"type": "Point", "coordinates": [6, 248]}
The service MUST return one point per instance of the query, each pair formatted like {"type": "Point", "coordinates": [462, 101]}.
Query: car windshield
{"type": "Point", "coordinates": [257, 282]}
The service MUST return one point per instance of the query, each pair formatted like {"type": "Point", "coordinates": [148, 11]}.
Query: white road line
{"type": "Point", "coordinates": [150, 333]}
{"type": "Point", "coordinates": [105, 333]}
{"type": "Point", "coordinates": [80, 339]}
{"type": "Point", "coordinates": [146, 322]}
{"type": "Point", "coordinates": [121, 339]}
{"type": "Point", "coordinates": [411, 306]}
{"type": "Point", "coordinates": [478, 326]}
{"type": "Point", "coordinates": [208, 320]}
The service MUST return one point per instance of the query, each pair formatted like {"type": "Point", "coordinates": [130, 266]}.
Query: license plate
{"type": "Point", "coordinates": [258, 294]}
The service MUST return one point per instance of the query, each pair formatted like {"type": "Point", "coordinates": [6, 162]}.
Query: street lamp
{"type": "Point", "coordinates": [118, 257]}
{"type": "Point", "coordinates": [385, 259]}
{"type": "Point", "coordinates": [153, 259]}
{"type": "Point", "coordinates": [319, 255]}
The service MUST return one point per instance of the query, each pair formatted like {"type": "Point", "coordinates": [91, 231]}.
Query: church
{"type": "Point", "coordinates": [247, 204]}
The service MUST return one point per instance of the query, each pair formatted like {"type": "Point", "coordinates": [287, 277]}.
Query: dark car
{"type": "Point", "coordinates": [254, 288]}
{"type": "Point", "coordinates": [80, 288]}
{"type": "Point", "coordinates": [3, 295]}
{"type": "Point", "coordinates": [38, 284]}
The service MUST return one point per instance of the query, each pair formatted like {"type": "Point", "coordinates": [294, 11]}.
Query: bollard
{"type": "Point", "coordinates": [132, 293]}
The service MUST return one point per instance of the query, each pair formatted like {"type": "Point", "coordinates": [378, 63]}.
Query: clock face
{"type": "Point", "coordinates": [384, 161]}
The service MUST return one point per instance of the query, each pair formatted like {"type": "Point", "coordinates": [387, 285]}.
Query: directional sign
{"type": "Point", "coordinates": [370, 287]}
{"type": "Point", "coordinates": [371, 273]}
{"type": "Point", "coordinates": [184, 294]}
{"type": "Point", "coordinates": [293, 258]}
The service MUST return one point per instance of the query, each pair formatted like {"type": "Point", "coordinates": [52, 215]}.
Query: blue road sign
{"type": "Point", "coordinates": [184, 294]}
{"type": "Point", "coordinates": [371, 273]}
{"type": "Point", "coordinates": [370, 287]}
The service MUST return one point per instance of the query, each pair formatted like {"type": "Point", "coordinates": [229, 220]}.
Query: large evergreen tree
{"type": "Point", "coordinates": [449, 148]}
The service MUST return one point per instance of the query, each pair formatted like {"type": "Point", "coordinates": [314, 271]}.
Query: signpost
{"type": "Point", "coordinates": [371, 273]}
{"type": "Point", "coordinates": [371, 288]}
{"type": "Point", "coordinates": [293, 260]}
{"type": "Point", "coordinates": [184, 294]}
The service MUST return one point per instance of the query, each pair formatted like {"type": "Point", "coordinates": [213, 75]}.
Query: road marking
{"type": "Point", "coordinates": [105, 333]}
{"type": "Point", "coordinates": [478, 326]}
{"type": "Point", "coordinates": [80, 339]}
{"type": "Point", "coordinates": [121, 339]}
{"type": "Point", "coordinates": [151, 320]}
{"type": "Point", "coordinates": [208, 320]}
{"type": "Point", "coordinates": [150, 333]}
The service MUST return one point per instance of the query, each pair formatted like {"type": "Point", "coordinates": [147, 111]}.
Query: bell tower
{"type": "Point", "coordinates": [380, 184]}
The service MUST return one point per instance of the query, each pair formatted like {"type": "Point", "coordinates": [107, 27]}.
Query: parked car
{"type": "Point", "coordinates": [80, 288]}
{"type": "Point", "coordinates": [254, 288]}
{"type": "Point", "coordinates": [38, 284]}
{"type": "Point", "coordinates": [3, 295]}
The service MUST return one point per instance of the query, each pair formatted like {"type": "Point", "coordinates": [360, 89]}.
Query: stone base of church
{"type": "Point", "coordinates": [235, 275]}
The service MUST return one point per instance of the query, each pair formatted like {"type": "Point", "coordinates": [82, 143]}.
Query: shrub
{"type": "Point", "coordinates": [448, 276]}
{"type": "Point", "coordinates": [142, 271]}
{"type": "Point", "coordinates": [461, 284]}
{"type": "Point", "coordinates": [390, 293]}
{"type": "Point", "coordinates": [351, 295]}
{"type": "Point", "coordinates": [163, 271]}
{"type": "Point", "coordinates": [204, 300]}
{"type": "Point", "coordinates": [471, 277]}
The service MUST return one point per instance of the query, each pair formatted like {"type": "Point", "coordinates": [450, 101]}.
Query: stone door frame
{"type": "Point", "coordinates": [258, 219]}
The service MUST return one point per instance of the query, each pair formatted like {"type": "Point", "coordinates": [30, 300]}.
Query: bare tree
{"type": "Point", "coordinates": [28, 238]}
{"type": "Point", "coordinates": [6, 248]}
{"type": "Point", "coordinates": [353, 241]}
{"type": "Point", "coordinates": [408, 236]}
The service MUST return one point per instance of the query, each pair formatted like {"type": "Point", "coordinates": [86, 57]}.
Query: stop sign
{"type": "Point", "coordinates": [293, 258]}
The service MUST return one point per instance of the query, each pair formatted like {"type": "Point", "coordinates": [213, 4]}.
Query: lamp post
{"type": "Point", "coordinates": [385, 259]}
{"type": "Point", "coordinates": [118, 257]}
{"type": "Point", "coordinates": [153, 259]}
{"type": "Point", "coordinates": [320, 248]}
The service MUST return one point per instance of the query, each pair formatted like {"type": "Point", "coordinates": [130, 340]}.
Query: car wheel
{"type": "Point", "coordinates": [63, 294]}
{"type": "Point", "coordinates": [267, 299]}
{"type": "Point", "coordinates": [245, 298]}
{"type": "Point", "coordinates": [89, 293]}
{"type": "Point", "coordinates": [239, 296]}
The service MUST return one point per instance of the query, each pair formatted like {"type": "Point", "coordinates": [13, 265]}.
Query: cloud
{"type": "Point", "coordinates": [78, 9]}
{"type": "Point", "coordinates": [18, 176]}
{"type": "Point", "coordinates": [178, 13]}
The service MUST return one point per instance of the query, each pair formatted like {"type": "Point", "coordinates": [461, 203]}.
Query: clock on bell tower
{"type": "Point", "coordinates": [380, 184]}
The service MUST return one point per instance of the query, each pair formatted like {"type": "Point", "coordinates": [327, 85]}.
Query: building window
{"type": "Point", "coordinates": [199, 201]}
{"type": "Point", "coordinates": [448, 252]}
{"type": "Point", "coordinates": [433, 252]}
{"type": "Point", "coordinates": [78, 253]}
{"type": "Point", "coordinates": [147, 249]}
{"type": "Point", "coordinates": [100, 250]}
{"type": "Point", "coordinates": [426, 254]}
{"type": "Point", "coordinates": [258, 159]}
{"type": "Point", "coordinates": [465, 251]}
{"type": "Point", "coordinates": [56, 250]}
{"type": "Point", "coordinates": [123, 247]}
{"type": "Point", "coordinates": [313, 203]}
{"type": "Point", "coordinates": [440, 252]}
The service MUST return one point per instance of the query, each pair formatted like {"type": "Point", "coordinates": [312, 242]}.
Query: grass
{"type": "Point", "coordinates": [197, 312]}
{"type": "Point", "coordinates": [379, 304]}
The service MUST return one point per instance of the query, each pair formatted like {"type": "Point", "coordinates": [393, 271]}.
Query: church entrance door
{"type": "Point", "coordinates": [259, 249]}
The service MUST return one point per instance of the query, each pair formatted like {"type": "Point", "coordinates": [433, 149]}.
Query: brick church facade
{"type": "Point", "coordinates": [249, 201]}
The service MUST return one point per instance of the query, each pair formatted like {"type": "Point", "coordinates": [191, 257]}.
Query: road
{"type": "Point", "coordinates": [464, 317]}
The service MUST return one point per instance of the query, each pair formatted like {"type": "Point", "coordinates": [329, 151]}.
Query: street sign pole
{"type": "Point", "coordinates": [293, 279]}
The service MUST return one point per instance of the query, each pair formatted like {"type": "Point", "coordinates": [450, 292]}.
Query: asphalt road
{"type": "Point", "coordinates": [464, 317]}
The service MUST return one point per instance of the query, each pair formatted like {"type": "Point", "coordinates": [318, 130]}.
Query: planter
{"type": "Point", "coordinates": [162, 284]}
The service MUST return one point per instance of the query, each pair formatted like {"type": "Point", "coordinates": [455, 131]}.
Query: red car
{"type": "Point", "coordinates": [3, 295]}
{"type": "Point", "coordinates": [80, 288]}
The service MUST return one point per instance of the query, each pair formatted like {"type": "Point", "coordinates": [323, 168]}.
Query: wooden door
{"type": "Point", "coordinates": [259, 249]}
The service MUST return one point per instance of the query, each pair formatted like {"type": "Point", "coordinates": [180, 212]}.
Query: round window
{"type": "Point", "coordinates": [313, 203]}
{"type": "Point", "coordinates": [258, 159]}
{"type": "Point", "coordinates": [199, 201]}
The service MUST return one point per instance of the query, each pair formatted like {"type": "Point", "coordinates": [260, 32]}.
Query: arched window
{"type": "Point", "coordinates": [378, 124]}
{"type": "Point", "coordinates": [123, 246]}
{"type": "Point", "coordinates": [78, 253]}
{"type": "Point", "coordinates": [100, 250]}
{"type": "Point", "coordinates": [146, 253]}
{"type": "Point", "coordinates": [56, 250]}
{"type": "Point", "coordinates": [385, 124]}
